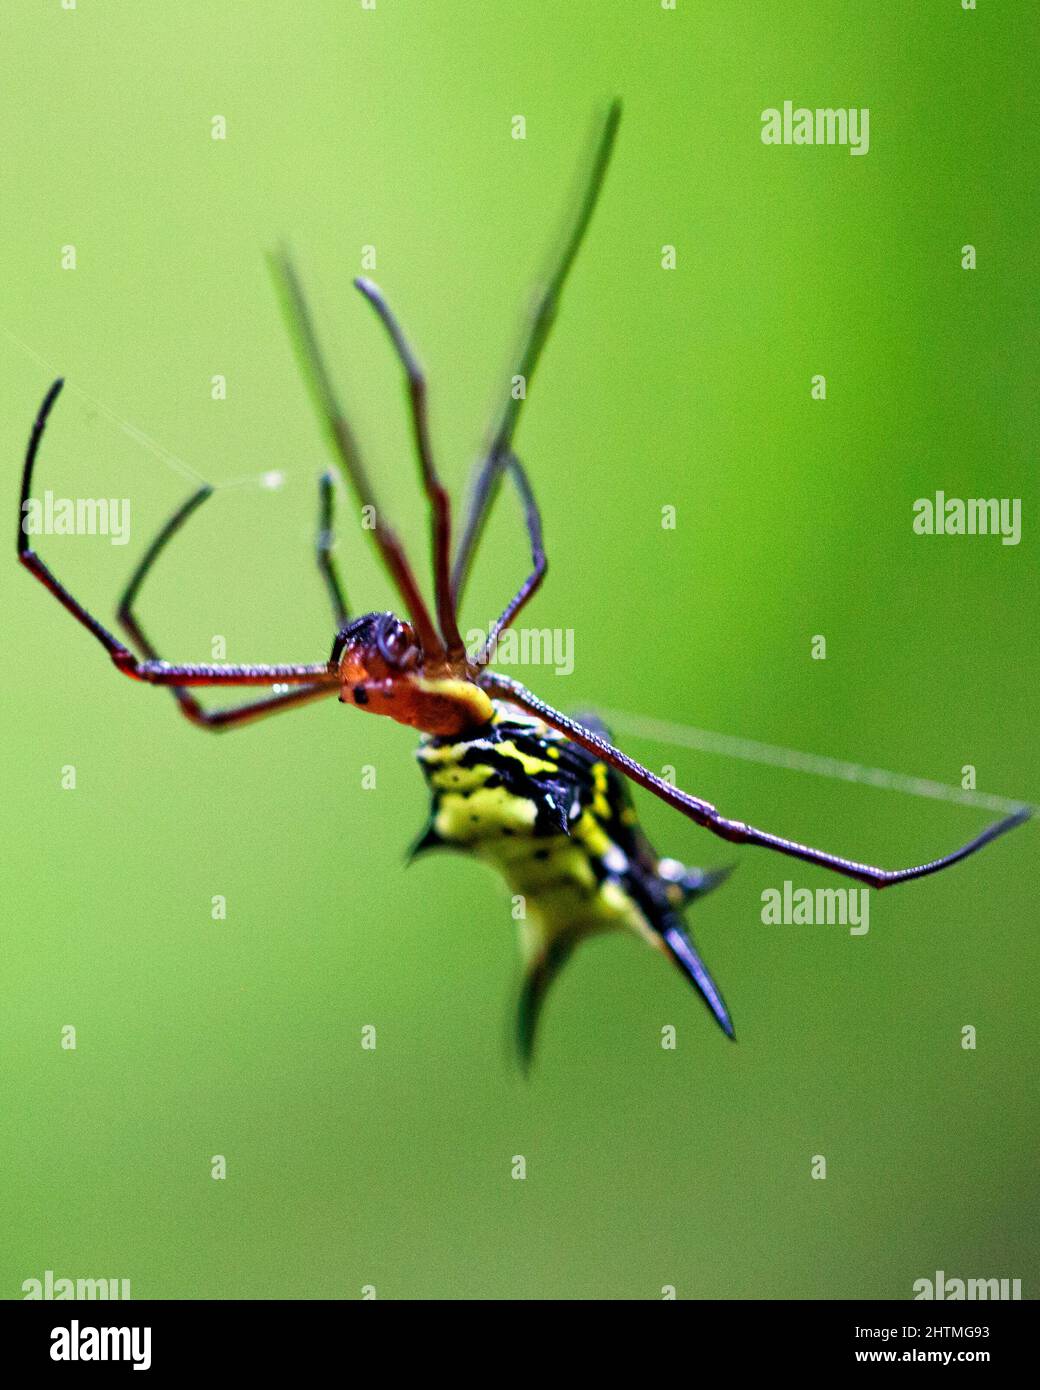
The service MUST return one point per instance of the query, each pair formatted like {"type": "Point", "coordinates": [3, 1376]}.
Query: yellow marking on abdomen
{"type": "Point", "coordinates": [555, 873]}
{"type": "Point", "coordinates": [527, 761]}
{"type": "Point", "coordinates": [485, 812]}
{"type": "Point", "coordinates": [460, 779]}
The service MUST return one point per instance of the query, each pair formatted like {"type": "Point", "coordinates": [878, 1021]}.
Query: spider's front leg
{"type": "Point", "coordinates": [314, 680]}
{"type": "Point", "coordinates": [256, 709]}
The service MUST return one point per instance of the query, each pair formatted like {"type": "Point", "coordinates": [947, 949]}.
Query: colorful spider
{"type": "Point", "coordinates": [540, 795]}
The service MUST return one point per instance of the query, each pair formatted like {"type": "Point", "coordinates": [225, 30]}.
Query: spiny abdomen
{"type": "Point", "coordinates": [517, 798]}
{"type": "Point", "coordinates": [559, 825]}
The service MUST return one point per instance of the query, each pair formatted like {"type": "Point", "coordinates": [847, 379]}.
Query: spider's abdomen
{"type": "Point", "coordinates": [514, 798]}
{"type": "Point", "coordinates": [560, 827]}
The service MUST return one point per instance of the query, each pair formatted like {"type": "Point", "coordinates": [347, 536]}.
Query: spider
{"type": "Point", "coordinates": [538, 794]}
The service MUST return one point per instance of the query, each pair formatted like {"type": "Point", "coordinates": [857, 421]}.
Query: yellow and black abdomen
{"type": "Point", "coordinates": [560, 827]}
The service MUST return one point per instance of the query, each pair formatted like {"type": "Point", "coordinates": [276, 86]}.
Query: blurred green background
{"type": "Point", "coordinates": [689, 388]}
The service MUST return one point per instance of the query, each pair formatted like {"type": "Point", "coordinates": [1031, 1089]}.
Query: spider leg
{"type": "Point", "coordinates": [533, 582]}
{"type": "Point", "coordinates": [189, 706]}
{"type": "Point", "coordinates": [489, 475]}
{"type": "Point", "coordinates": [440, 503]}
{"type": "Point", "coordinates": [341, 436]}
{"type": "Point", "coordinates": [217, 719]}
{"type": "Point", "coordinates": [154, 672]}
{"type": "Point", "coordinates": [326, 540]}
{"type": "Point", "coordinates": [705, 814]}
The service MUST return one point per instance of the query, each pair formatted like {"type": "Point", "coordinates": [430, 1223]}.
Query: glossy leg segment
{"type": "Point", "coordinates": [152, 670]}
{"type": "Point", "coordinates": [705, 814]}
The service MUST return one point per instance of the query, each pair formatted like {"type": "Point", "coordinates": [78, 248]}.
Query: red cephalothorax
{"type": "Point", "coordinates": [382, 670]}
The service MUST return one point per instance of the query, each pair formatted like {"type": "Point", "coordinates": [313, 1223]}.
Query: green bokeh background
{"type": "Point", "coordinates": [645, 1167]}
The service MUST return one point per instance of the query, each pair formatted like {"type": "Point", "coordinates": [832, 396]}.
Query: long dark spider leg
{"type": "Point", "coordinates": [191, 709]}
{"type": "Point", "coordinates": [440, 503]}
{"type": "Point", "coordinates": [489, 476]}
{"type": "Point", "coordinates": [341, 436]}
{"type": "Point", "coordinates": [152, 671]}
{"type": "Point", "coordinates": [705, 814]}
{"type": "Point", "coordinates": [326, 541]}
{"type": "Point", "coordinates": [532, 583]}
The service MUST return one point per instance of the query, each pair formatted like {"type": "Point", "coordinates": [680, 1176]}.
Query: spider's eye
{"type": "Point", "coordinates": [396, 642]}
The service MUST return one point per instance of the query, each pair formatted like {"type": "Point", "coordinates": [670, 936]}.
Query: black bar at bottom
{"type": "Point", "coordinates": [160, 1339]}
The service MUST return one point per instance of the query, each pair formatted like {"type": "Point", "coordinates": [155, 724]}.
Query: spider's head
{"type": "Point", "coordinates": [382, 670]}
